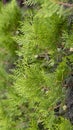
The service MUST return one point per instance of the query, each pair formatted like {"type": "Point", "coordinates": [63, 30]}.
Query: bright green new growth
{"type": "Point", "coordinates": [45, 40]}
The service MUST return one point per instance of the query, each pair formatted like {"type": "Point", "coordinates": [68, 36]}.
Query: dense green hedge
{"type": "Point", "coordinates": [39, 39]}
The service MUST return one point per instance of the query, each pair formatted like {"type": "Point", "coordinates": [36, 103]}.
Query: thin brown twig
{"type": "Point", "coordinates": [54, 107]}
{"type": "Point", "coordinates": [65, 4]}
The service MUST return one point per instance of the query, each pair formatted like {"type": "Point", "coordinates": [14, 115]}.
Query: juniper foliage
{"type": "Point", "coordinates": [45, 57]}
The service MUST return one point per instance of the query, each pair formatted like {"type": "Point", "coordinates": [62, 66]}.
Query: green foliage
{"type": "Point", "coordinates": [10, 16]}
{"type": "Point", "coordinates": [45, 44]}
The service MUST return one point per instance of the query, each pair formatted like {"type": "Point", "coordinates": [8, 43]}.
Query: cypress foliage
{"type": "Point", "coordinates": [45, 59]}
{"type": "Point", "coordinates": [10, 17]}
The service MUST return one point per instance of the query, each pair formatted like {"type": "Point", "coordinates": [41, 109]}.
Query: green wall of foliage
{"type": "Point", "coordinates": [36, 42]}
